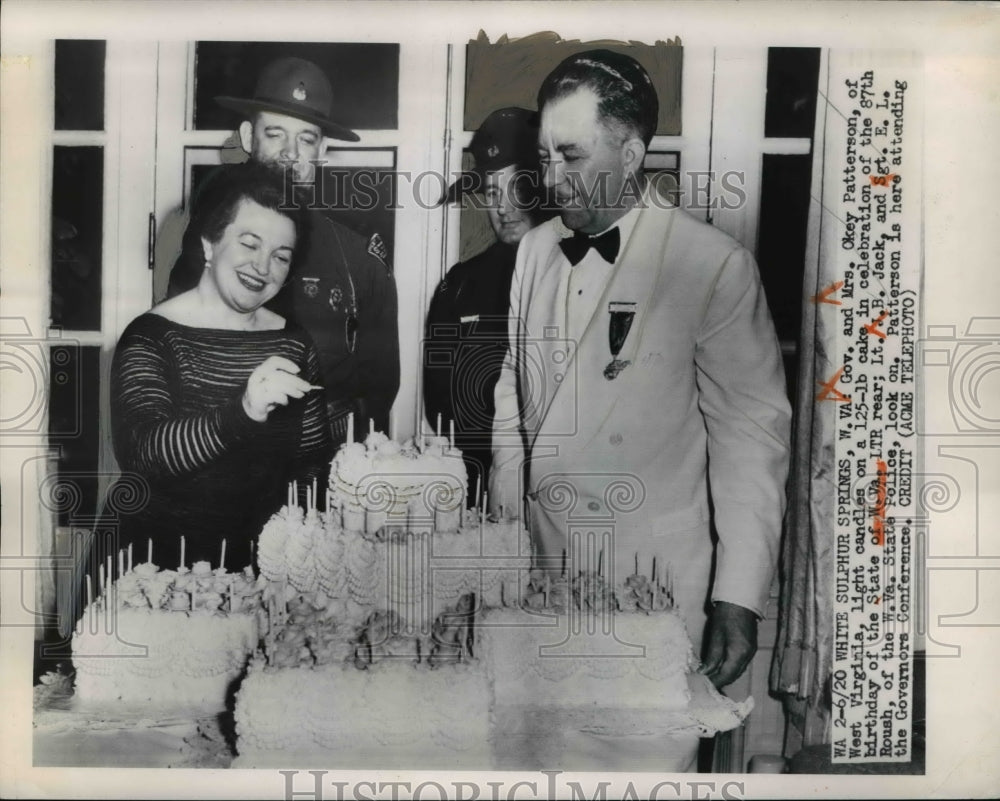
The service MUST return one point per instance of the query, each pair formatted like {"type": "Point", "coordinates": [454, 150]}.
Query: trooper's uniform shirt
{"type": "Point", "coordinates": [466, 339]}
{"type": "Point", "coordinates": [343, 293]}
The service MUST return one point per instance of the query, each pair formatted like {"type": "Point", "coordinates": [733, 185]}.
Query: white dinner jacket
{"type": "Point", "coordinates": [702, 404]}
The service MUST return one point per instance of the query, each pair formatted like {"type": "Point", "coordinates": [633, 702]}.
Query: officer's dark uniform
{"type": "Point", "coordinates": [342, 292]}
{"type": "Point", "coordinates": [466, 331]}
{"type": "Point", "coordinates": [465, 343]}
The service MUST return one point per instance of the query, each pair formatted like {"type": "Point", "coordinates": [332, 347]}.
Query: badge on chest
{"type": "Point", "coordinates": [310, 287]}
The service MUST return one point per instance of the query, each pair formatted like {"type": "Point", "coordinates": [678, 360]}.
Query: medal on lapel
{"type": "Point", "coordinates": [619, 324]}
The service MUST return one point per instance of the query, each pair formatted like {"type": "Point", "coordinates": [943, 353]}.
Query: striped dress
{"type": "Point", "coordinates": [203, 468]}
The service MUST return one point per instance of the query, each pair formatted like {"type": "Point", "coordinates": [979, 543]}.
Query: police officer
{"type": "Point", "coordinates": [466, 328]}
{"type": "Point", "coordinates": [341, 289]}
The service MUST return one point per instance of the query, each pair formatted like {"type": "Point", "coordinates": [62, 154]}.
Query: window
{"type": "Point", "coordinates": [77, 269]}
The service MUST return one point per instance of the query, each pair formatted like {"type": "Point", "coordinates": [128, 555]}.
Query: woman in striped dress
{"type": "Point", "coordinates": [215, 401]}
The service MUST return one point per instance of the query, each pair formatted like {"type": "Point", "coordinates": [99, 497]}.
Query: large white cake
{"type": "Point", "coordinates": [397, 629]}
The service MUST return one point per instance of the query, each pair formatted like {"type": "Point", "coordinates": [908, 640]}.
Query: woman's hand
{"type": "Point", "coordinates": [272, 384]}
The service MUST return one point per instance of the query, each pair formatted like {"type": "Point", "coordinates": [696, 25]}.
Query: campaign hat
{"type": "Point", "coordinates": [297, 88]}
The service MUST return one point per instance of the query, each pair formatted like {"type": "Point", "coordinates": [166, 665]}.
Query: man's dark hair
{"type": "Point", "coordinates": [214, 208]}
{"type": "Point", "coordinates": [624, 89]}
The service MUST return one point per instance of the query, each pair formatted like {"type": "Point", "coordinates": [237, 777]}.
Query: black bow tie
{"type": "Point", "coordinates": [575, 247]}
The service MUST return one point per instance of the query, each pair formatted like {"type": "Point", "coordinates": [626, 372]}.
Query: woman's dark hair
{"type": "Point", "coordinates": [625, 92]}
{"type": "Point", "coordinates": [214, 207]}
{"type": "Point", "coordinates": [216, 204]}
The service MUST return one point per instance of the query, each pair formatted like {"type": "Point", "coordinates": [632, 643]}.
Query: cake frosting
{"type": "Point", "coordinates": [417, 574]}
{"type": "Point", "coordinates": [167, 638]}
{"type": "Point", "coordinates": [382, 483]}
{"type": "Point", "coordinates": [582, 655]}
{"type": "Point", "coordinates": [563, 655]}
{"type": "Point", "coordinates": [394, 713]}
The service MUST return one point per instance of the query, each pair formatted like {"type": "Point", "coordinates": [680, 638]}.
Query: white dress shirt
{"type": "Point", "coordinates": [588, 279]}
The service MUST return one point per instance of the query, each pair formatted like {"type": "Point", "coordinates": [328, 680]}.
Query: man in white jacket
{"type": "Point", "coordinates": [644, 383]}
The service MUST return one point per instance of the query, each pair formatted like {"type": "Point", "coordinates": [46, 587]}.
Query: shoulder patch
{"type": "Point", "coordinates": [377, 248]}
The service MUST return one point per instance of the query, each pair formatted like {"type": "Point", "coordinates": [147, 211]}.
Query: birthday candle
{"type": "Point", "coordinates": [371, 426]}
{"type": "Point", "coordinates": [182, 550]}
{"type": "Point", "coordinates": [222, 559]}
{"type": "Point", "coordinates": [90, 591]}
{"type": "Point", "coordinates": [149, 551]}
{"type": "Point", "coordinates": [350, 428]}
{"type": "Point", "coordinates": [121, 563]}
{"type": "Point", "coordinates": [100, 579]}
{"type": "Point", "coordinates": [451, 433]}
{"type": "Point", "coordinates": [130, 557]}
{"type": "Point", "coordinates": [479, 495]}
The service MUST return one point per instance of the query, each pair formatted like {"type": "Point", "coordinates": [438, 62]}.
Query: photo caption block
{"type": "Point", "coordinates": [873, 134]}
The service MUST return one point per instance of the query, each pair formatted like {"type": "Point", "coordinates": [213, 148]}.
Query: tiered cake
{"type": "Point", "coordinates": [399, 630]}
{"type": "Point", "coordinates": [396, 538]}
{"type": "Point", "coordinates": [406, 632]}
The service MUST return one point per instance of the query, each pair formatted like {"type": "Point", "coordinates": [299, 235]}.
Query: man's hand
{"type": "Point", "coordinates": [732, 642]}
